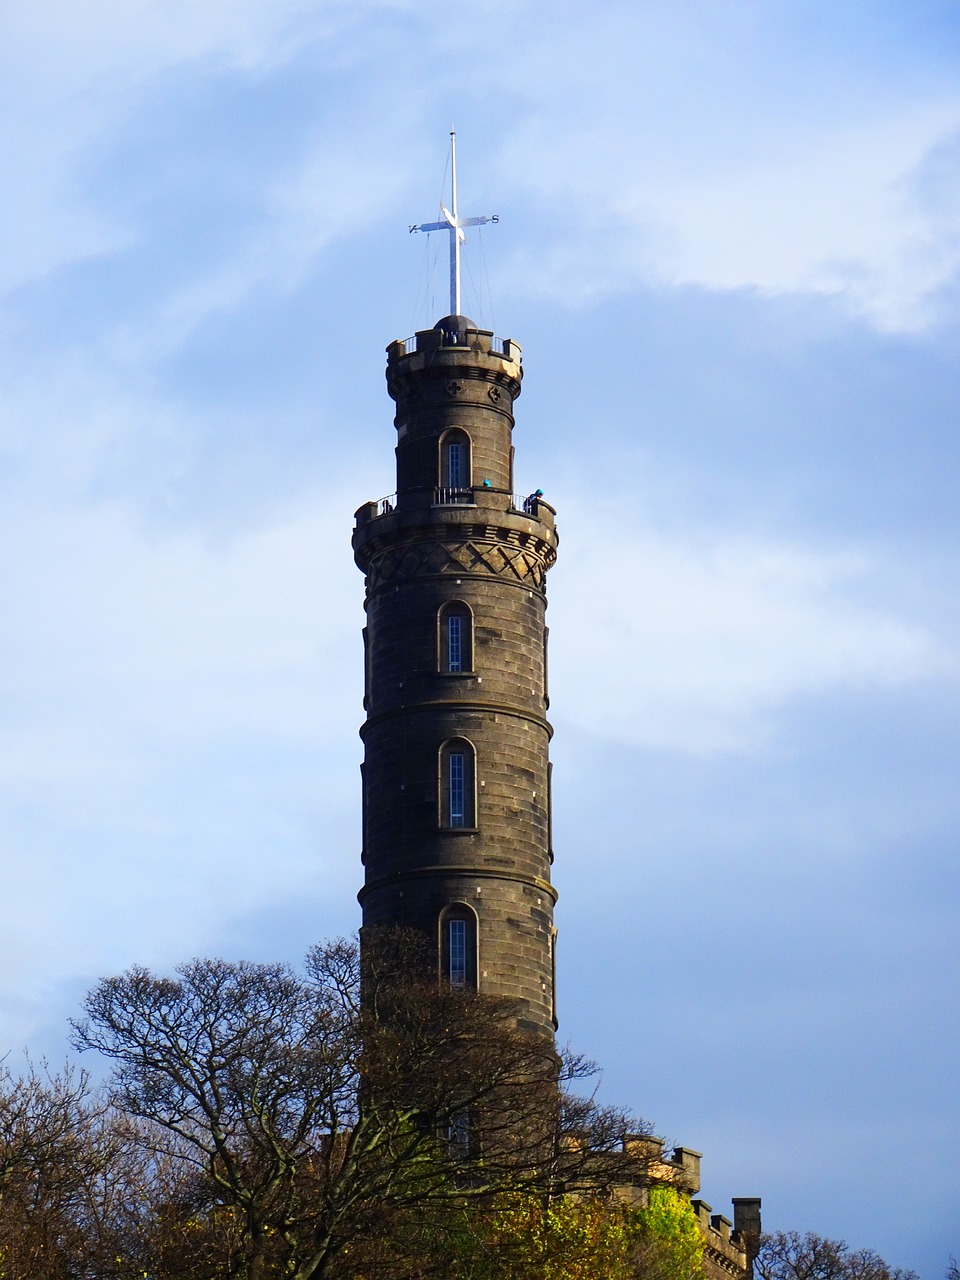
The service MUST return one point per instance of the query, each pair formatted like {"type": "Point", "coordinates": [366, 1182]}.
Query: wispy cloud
{"type": "Point", "coordinates": [166, 702]}
{"type": "Point", "coordinates": [73, 77]}
{"type": "Point", "coordinates": [698, 644]}
{"type": "Point", "coordinates": [679, 163]}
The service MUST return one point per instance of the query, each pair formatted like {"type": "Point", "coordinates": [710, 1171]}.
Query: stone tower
{"type": "Point", "coordinates": [456, 777]}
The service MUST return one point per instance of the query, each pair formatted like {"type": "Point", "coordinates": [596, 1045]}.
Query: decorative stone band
{"type": "Point", "coordinates": [479, 706]}
{"type": "Point", "coordinates": [482, 358]}
{"type": "Point", "coordinates": [425, 557]}
{"type": "Point", "coordinates": [457, 869]}
{"type": "Point", "coordinates": [455, 380]}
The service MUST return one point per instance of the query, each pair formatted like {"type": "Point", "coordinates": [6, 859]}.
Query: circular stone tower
{"type": "Point", "coordinates": [456, 778]}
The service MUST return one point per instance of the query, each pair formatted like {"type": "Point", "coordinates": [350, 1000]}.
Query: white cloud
{"type": "Point", "coordinates": [715, 147]}
{"type": "Point", "coordinates": [845, 214]}
{"type": "Point", "coordinates": [169, 709]}
{"type": "Point", "coordinates": [708, 148]}
{"type": "Point", "coordinates": [71, 75]}
{"type": "Point", "coordinates": [332, 194]}
{"type": "Point", "coordinates": [840, 216]}
{"type": "Point", "coordinates": [173, 634]}
{"type": "Point", "coordinates": [82, 44]}
{"type": "Point", "coordinates": [696, 644]}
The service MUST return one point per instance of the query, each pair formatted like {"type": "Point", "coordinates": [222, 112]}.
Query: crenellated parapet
{"type": "Point", "coordinates": [455, 348]}
{"type": "Point", "coordinates": [729, 1247]}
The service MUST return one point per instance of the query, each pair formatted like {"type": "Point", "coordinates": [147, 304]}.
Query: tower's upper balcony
{"type": "Point", "coordinates": [454, 343]}
{"type": "Point", "coordinates": [461, 506]}
{"type": "Point", "coordinates": [484, 513]}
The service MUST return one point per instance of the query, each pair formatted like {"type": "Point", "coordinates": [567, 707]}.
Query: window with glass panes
{"type": "Point", "coordinates": [457, 952]}
{"type": "Point", "coordinates": [454, 642]}
{"type": "Point", "coordinates": [456, 469]}
{"type": "Point", "coordinates": [457, 788]}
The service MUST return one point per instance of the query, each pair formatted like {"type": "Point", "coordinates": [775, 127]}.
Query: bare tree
{"type": "Point", "coordinates": [312, 1122]}
{"type": "Point", "coordinates": [68, 1177]}
{"type": "Point", "coordinates": [786, 1255]}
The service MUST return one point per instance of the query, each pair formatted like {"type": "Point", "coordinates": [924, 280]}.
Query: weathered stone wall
{"type": "Point", "coordinates": [726, 1253]}
{"type": "Point", "coordinates": [424, 550]}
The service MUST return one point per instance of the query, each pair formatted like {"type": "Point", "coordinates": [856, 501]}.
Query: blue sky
{"type": "Point", "coordinates": [729, 246]}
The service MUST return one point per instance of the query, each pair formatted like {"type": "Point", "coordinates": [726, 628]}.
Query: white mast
{"type": "Point", "coordinates": [457, 236]}
{"type": "Point", "coordinates": [453, 223]}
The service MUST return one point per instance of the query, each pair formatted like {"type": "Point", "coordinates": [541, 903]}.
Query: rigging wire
{"type": "Point", "coordinates": [426, 292]}
{"type": "Point", "coordinates": [425, 298]}
{"type": "Point", "coordinates": [485, 280]}
{"type": "Point", "coordinates": [423, 284]}
{"type": "Point", "coordinates": [479, 285]}
{"type": "Point", "coordinates": [476, 311]}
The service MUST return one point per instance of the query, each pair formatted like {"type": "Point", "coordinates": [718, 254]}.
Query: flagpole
{"type": "Point", "coordinates": [453, 224]}
{"type": "Point", "coordinates": [454, 231]}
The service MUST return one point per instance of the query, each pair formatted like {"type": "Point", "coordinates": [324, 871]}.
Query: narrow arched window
{"type": "Point", "coordinates": [456, 464]}
{"type": "Point", "coordinates": [455, 639]}
{"type": "Point", "coordinates": [553, 977]}
{"type": "Point", "coordinates": [546, 667]}
{"type": "Point", "coordinates": [366, 668]}
{"type": "Point", "coordinates": [458, 946]}
{"type": "Point", "coordinates": [455, 460]}
{"type": "Point", "coordinates": [458, 952]}
{"type": "Point", "coordinates": [459, 1136]}
{"type": "Point", "coordinates": [456, 761]}
{"type": "Point", "coordinates": [457, 784]}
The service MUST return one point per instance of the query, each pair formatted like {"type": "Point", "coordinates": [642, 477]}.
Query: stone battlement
{"type": "Point", "coordinates": [456, 359]}
{"type": "Point", "coordinates": [730, 1247]}
{"type": "Point", "coordinates": [427, 341]}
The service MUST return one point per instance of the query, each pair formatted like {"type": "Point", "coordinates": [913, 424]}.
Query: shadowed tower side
{"type": "Point", "coordinates": [456, 774]}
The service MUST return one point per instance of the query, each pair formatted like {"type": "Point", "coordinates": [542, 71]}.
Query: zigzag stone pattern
{"type": "Point", "coordinates": [526, 566]}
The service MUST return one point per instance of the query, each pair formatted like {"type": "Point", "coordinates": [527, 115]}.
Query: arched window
{"type": "Point", "coordinates": [455, 460]}
{"type": "Point", "coordinates": [457, 784]}
{"type": "Point", "coordinates": [455, 639]}
{"type": "Point", "coordinates": [458, 945]}
{"type": "Point", "coordinates": [546, 667]}
{"type": "Point", "coordinates": [553, 977]}
{"type": "Point", "coordinates": [459, 1136]}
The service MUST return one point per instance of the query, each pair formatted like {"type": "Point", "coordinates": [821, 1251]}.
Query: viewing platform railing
{"type": "Point", "coordinates": [525, 504]}
{"type": "Point", "coordinates": [433, 339]}
{"type": "Point", "coordinates": [457, 497]}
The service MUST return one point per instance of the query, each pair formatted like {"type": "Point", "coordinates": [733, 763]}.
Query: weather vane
{"type": "Point", "coordinates": [453, 223]}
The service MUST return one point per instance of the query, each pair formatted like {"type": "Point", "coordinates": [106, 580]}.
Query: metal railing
{"type": "Point", "coordinates": [528, 504]}
{"type": "Point", "coordinates": [453, 497]}
{"type": "Point", "coordinates": [452, 337]}
{"type": "Point", "coordinates": [456, 338]}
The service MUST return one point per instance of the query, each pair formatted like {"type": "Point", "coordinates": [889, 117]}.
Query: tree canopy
{"type": "Point", "coordinates": [787, 1255]}
{"type": "Point", "coordinates": [305, 1122]}
{"type": "Point", "coordinates": [354, 1120]}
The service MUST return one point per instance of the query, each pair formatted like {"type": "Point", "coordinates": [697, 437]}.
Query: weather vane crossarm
{"type": "Point", "coordinates": [453, 223]}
